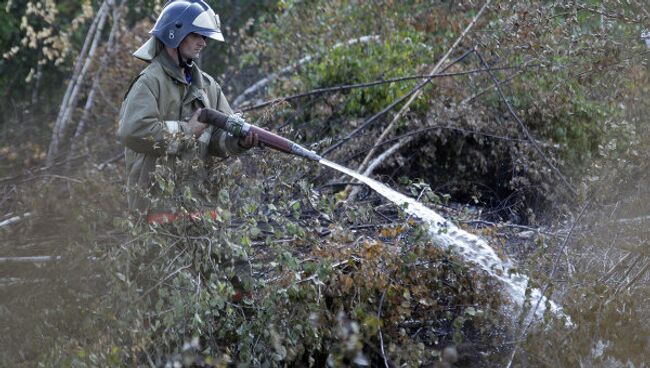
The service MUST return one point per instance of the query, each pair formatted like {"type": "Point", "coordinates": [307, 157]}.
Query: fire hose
{"type": "Point", "coordinates": [238, 127]}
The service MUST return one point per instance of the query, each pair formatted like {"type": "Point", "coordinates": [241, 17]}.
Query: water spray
{"type": "Point", "coordinates": [443, 232]}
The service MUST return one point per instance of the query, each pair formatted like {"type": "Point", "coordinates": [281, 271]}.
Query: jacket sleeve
{"type": "Point", "coordinates": [223, 143]}
{"type": "Point", "coordinates": [141, 128]}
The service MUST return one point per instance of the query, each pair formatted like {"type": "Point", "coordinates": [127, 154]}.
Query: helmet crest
{"type": "Point", "coordinates": [182, 17]}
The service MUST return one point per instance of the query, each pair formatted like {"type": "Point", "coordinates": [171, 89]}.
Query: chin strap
{"type": "Point", "coordinates": [186, 65]}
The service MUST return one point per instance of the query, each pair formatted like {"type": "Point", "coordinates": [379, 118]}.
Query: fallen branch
{"type": "Point", "coordinates": [34, 259]}
{"type": "Point", "coordinates": [394, 148]}
{"type": "Point", "coordinates": [633, 219]}
{"type": "Point", "coordinates": [52, 176]}
{"type": "Point", "coordinates": [37, 170]}
{"type": "Point", "coordinates": [628, 271]}
{"type": "Point", "coordinates": [385, 155]}
{"type": "Point", "coordinates": [338, 184]}
{"type": "Point", "coordinates": [345, 87]}
{"type": "Point", "coordinates": [634, 280]}
{"type": "Point", "coordinates": [271, 77]}
{"type": "Point", "coordinates": [615, 268]}
{"type": "Point", "coordinates": [15, 219]}
{"type": "Point", "coordinates": [366, 161]}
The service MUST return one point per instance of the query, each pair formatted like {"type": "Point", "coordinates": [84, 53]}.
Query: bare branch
{"type": "Point", "coordinates": [634, 280]}
{"type": "Point", "coordinates": [548, 284]}
{"type": "Point", "coordinates": [430, 128]}
{"type": "Point", "coordinates": [483, 91]}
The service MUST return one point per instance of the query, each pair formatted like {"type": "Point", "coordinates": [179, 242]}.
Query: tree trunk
{"type": "Point", "coordinates": [90, 101]}
{"type": "Point", "coordinates": [81, 68]}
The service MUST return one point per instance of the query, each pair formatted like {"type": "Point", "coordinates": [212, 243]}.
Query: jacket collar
{"type": "Point", "coordinates": [172, 69]}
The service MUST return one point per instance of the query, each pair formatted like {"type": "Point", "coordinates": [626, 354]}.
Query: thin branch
{"type": "Point", "coordinates": [633, 219]}
{"type": "Point", "coordinates": [386, 154]}
{"type": "Point", "coordinates": [381, 336]}
{"type": "Point", "coordinates": [114, 159]}
{"type": "Point", "coordinates": [523, 127]}
{"type": "Point", "coordinates": [548, 284]}
{"type": "Point", "coordinates": [52, 176]}
{"type": "Point", "coordinates": [345, 87]}
{"type": "Point", "coordinates": [40, 169]}
{"type": "Point", "coordinates": [636, 278]}
{"type": "Point", "coordinates": [628, 271]}
{"type": "Point", "coordinates": [615, 268]}
{"type": "Point", "coordinates": [162, 281]}
{"type": "Point", "coordinates": [483, 91]}
{"type": "Point", "coordinates": [338, 184]}
{"type": "Point", "coordinates": [606, 15]}
{"type": "Point", "coordinates": [376, 162]}
{"type": "Point", "coordinates": [514, 226]}
{"type": "Point", "coordinates": [107, 100]}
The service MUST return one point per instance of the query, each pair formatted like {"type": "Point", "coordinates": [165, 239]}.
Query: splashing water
{"type": "Point", "coordinates": [471, 247]}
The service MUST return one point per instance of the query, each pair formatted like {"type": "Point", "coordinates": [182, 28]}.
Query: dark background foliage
{"type": "Point", "coordinates": [339, 279]}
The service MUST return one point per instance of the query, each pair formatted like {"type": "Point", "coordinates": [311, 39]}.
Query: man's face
{"type": "Point", "coordinates": [191, 46]}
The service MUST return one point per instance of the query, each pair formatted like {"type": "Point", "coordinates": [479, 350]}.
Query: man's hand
{"type": "Point", "coordinates": [195, 125]}
{"type": "Point", "coordinates": [250, 141]}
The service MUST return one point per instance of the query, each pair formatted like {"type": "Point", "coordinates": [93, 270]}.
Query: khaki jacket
{"type": "Point", "coordinates": [153, 127]}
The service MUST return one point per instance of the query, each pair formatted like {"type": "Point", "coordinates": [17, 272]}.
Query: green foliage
{"type": "Point", "coordinates": [565, 65]}
{"type": "Point", "coordinates": [402, 54]}
{"type": "Point", "coordinates": [258, 285]}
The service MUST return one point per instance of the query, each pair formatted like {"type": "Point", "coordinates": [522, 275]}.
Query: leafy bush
{"type": "Point", "coordinates": [402, 54]}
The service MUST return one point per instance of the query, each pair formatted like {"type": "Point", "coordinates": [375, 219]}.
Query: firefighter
{"type": "Point", "coordinates": [159, 116]}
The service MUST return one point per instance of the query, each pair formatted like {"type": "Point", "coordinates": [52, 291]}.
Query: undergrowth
{"type": "Point", "coordinates": [314, 291]}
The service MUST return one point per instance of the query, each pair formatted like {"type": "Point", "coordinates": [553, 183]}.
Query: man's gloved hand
{"type": "Point", "coordinates": [248, 142]}
{"type": "Point", "coordinates": [195, 125]}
